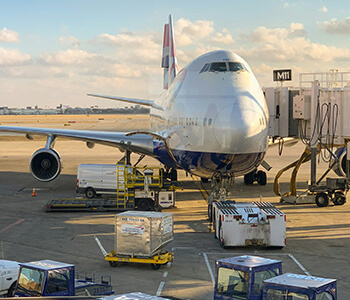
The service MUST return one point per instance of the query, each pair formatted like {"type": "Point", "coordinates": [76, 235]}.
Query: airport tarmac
{"type": "Point", "coordinates": [317, 238]}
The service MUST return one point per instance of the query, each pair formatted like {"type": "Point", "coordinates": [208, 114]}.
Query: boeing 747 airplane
{"type": "Point", "coordinates": [211, 121]}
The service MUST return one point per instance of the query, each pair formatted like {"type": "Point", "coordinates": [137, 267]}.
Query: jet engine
{"type": "Point", "coordinates": [340, 166]}
{"type": "Point", "coordinates": [45, 164]}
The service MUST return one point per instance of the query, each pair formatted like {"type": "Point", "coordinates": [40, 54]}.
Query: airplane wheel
{"type": "Point", "coordinates": [155, 266]}
{"type": "Point", "coordinates": [221, 237]}
{"type": "Point", "coordinates": [339, 198]}
{"type": "Point", "coordinates": [204, 180]}
{"type": "Point", "coordinates": [144, 205]}
{"type": "Point", "coordinates": [249, 178]}
{"type": "Point", "coordinates": [322, 200]}
{"type": "Point", "coordinates": [90, 193]}
{"type": "Point", "coordinates": [113, 263]}
{"type": "Point", "coordinates": [214, 228]}
{"type": "Point", "coordinates": [11, 290]}
{"type": "Point", "coordinates": [210, 212]}
{"type": "Point", "coordinates": [173, 175]}
{"type": "Point", "coordinates": [261, 177]}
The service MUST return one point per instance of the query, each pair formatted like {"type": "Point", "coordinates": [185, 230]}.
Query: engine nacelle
{"type": "Point", "coordinates": [340, 166]}
{"type": "Point", "coordinates": [45, 164]}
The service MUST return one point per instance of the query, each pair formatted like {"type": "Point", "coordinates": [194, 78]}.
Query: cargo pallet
{"type": "Point", "coordinates": [156, 261]}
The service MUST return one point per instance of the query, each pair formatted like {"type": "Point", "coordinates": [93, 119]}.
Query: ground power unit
{"type": "Point", "coordinates": [249, 224]}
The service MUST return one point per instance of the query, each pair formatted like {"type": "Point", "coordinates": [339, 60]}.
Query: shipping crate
{"type": "Point", "coordinates": [142, 233]}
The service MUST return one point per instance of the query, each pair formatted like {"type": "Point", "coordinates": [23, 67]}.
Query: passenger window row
{"type": "Point", "coordinates": [192, 121]}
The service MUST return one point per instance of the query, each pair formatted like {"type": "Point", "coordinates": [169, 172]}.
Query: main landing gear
{"type": "Point", "coordinates": [258, 176]}
{"type": "Point", "coordinates": [171, 173]}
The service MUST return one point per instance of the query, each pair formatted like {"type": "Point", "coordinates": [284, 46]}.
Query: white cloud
{"type": "Point", "coordinates": [336, 26]}
{"type": "Point", "coordinates": [133, 47]}
{"type": "Point", "coordinates": [221, 38]}
{"type": "Point", "coordinates": [187, 32]}
{"type": "Point", "coordinates": [296, 30]}
{"type": "Point", "coordinates": [290, 45]}
{"type": "Point", "coordinates": [115, 70]}
{"type": "Point", "coordinates": [70, 41]}
{"type": "Point", "coordinates": [68, 57]}
{"type": "Point", "coordinates": [13, 57]}
{"type": "Point", "coordinates": [265, 35]}
{"type": "Point", "coordinates": [8, 36]}
{"type": "Point", "coordinates": [323, 9]}
{"type": "Point", "coordinates": [33, 72]}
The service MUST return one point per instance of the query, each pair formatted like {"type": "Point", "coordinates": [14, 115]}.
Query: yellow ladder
{"type": "Point", "coordinates": [121, 185]}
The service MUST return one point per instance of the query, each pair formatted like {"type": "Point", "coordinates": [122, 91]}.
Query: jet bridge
{"type": "Point", "coordinates": [317, 113]}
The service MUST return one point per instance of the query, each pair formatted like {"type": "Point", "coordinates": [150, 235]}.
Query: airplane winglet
{"type": "Point", "coordinates": [130, 100]}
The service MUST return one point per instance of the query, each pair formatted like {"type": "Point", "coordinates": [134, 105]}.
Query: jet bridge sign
{"type": "Point", "coordinates": [282, 75]}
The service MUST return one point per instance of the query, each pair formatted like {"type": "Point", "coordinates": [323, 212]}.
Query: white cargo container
{"type": "Point", "coordinates": [142, 233]}
{"type": "Point", "coordinates": [249, 223]}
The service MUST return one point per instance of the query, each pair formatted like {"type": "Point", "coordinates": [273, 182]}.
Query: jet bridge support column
{"type": "Point", "coordinates": [314, 130]}
{"type": "Point", "coordinates": [348, 160]}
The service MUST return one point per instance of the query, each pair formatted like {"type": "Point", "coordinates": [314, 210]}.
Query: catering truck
{"type": "Point", "coordinates": [256, 278]}
{"type": "Point", "coordinates": [52, 278]}
{"type": "Point", "coordinates": [249, 223]}
{"type": "Point", "coordinates": [143, 188]}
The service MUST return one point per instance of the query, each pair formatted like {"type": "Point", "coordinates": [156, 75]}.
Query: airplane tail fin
{"type": "Point", "coordinates": [169, 60]}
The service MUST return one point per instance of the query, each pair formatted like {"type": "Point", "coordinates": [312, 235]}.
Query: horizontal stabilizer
{"type": "Point", "coordinates": [130, 100]}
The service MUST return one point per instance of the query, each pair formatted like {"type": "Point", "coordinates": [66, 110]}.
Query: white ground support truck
{"type": "Point", "coordinates": [248, 224]}
{"type": "Point", "coordinates": [8, 277]}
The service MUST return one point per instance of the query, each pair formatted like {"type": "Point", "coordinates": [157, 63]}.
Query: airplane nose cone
{"type": "Point", "coordinates": [241, 129]}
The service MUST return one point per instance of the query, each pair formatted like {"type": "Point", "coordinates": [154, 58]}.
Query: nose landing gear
{"type": "Point", "coordinates": [220, 184]}
{"type": "Point", "coordinates": [258, 176]}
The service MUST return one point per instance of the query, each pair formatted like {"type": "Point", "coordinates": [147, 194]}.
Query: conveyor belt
{"type": "Point", "coordinates": [85, 205]}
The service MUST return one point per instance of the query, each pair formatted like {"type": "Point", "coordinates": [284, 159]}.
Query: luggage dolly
{"type": "Point", "coordinates": [156, 261]}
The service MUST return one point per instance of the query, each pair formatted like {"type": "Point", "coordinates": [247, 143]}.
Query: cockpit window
{"type": "Point", "coordinates": [205, 68]}
{"type": "Point", "coordinates": [235, 66]}
{"type": "Point", "coordinates": [218, 67]}
{"type": "Point", "coordinates": [222, 67]}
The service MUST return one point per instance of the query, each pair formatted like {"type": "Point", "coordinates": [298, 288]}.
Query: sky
{"type": "Point", "coordinates": [55, 52]}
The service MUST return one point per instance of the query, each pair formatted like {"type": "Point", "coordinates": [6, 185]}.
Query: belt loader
{"type": "Point", "coordinates": [249, 223]}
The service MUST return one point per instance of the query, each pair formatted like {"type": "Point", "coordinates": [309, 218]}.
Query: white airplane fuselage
{"type": "Point", "coordinates": [213, 121]}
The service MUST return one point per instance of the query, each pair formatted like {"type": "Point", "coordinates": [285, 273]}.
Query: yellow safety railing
{"type": "Point", "coordinates": [136, 177]}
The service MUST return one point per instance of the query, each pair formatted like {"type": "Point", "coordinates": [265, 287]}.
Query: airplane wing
{"type": "Point", "coordinates": [129, 100]}
{"type": "Point", "coordinates": [139, 143]}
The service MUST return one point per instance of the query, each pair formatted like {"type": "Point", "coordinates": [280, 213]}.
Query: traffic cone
{"type": "Point", "coordinates": [34, 193]}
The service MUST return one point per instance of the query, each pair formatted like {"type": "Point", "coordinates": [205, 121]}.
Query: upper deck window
{"type": "Point", "coordinates": [222, 67]}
